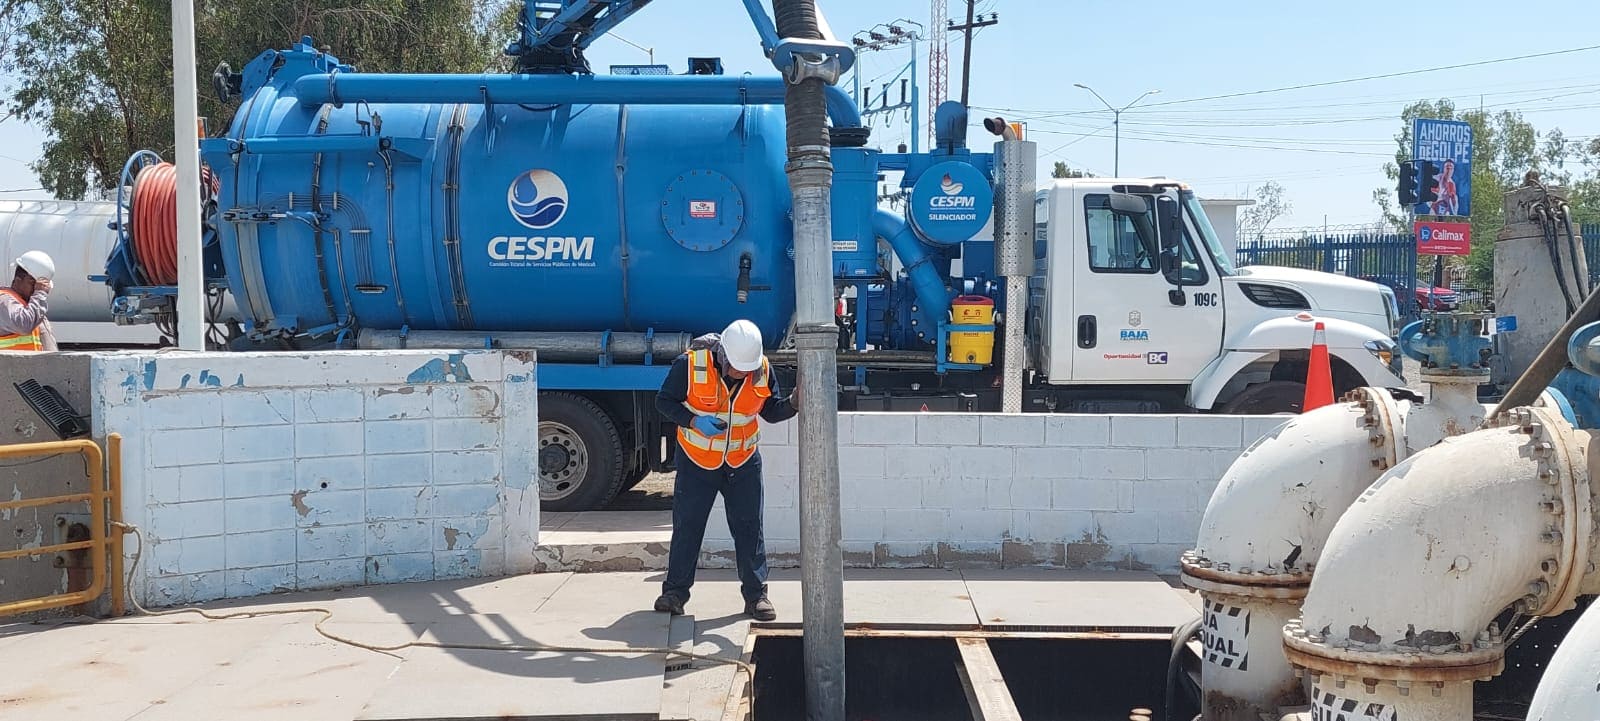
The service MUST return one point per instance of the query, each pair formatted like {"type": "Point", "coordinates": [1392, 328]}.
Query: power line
{"type": "Point", "coordinates": [23, 190]}
{"type": "Point", "coordinates": [1381, 76]}
{"type": "Point", "coordinates": [1229, 145]}
{"type": "Point", "coordinates": [1463, 94]}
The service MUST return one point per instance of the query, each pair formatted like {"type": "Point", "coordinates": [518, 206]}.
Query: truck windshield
{"type": "Point", "coordinates": [1208, 235]}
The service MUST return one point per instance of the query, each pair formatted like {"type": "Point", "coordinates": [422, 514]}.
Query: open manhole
{"type": "Point", "coordinates": [963, 678]}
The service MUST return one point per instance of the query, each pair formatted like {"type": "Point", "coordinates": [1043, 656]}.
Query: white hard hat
{"type": "Point", "coordinates": [741, 345]}
{"type": "Point", "coordinates": [38, 264]}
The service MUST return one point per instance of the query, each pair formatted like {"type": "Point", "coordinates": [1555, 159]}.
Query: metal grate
{"type": "Point", "coordinates": [640, 70]}
{"type": "Point", "coordinates": [48, 403]}
{"type": "Point", "coordinates": [1272, 296]}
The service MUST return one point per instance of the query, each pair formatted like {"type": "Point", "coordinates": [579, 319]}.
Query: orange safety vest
{"type": "Point", "coordinates": [708, 396]}
{"type": "Point", "coordinates": [20, 342]}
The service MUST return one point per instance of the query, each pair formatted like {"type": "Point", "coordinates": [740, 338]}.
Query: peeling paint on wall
{"type": "Point", "coordinates": [391, 463]}
{"type": "Point", "coordinates": [451, 369]}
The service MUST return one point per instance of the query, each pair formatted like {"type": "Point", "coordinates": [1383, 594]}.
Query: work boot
{"type": "Point", "coordinates": [668, 603]}
{"type": "Point", "coordinates": [761, 609]}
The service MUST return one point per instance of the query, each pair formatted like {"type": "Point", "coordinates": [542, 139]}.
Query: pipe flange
{"type": "Point", "coordinates": [1309, 650]}
{"type": "Point", "coordinates": [1380, 413]}
{"type": "Point", "coordinates": [1203, 575]}
{"type": "Point", "coordinates": [1563, 469]}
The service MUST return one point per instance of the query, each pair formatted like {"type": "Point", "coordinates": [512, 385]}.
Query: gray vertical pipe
{"type": "Point", "coordinates": [1014, 172]}
{"type": "Point", "coordinates": [810, 171]}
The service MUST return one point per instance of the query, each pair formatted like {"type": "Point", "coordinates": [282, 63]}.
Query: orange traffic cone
{"type": "Point", "coordinates": [1319, 374]}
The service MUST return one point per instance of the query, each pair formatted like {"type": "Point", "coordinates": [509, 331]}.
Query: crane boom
{"type": "Point", "coordinates": [554, 33]}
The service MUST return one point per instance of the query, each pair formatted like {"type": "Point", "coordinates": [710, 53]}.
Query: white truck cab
{"type": "Point", "coordinates": [1132, 287]}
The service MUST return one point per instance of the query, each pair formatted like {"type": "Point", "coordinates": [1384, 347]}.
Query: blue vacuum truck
{"type": "Point", "coordinates": [605, 220]}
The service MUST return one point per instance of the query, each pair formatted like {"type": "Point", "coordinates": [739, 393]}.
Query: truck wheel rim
{"type": "Point", "coordinates": [563, 461]}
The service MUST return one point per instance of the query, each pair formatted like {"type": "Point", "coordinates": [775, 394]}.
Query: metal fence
{"type": "Point", "coordinates": [1591, 248]}
{"type": "Point", "coordinates": [1369, 254]}
{"type": "Point", "coordinates": [1386, 258]}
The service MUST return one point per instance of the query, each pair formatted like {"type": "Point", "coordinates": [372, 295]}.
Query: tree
{"type": "Point", "coordinates": [96, 76]}
{"type": "Point", "coordinates": [1270, 205]}
{"type": "Point", "coordinates": [1062, 171]}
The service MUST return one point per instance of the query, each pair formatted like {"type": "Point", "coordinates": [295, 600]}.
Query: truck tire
{"type": "Point", "coordinates": [1270, 398]}
{"type": "Point", "coordinates": [580, 454]}
{"type": "Point", "coordinates": [634, 477]}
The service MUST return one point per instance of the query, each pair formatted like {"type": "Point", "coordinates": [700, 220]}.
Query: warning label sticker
{"type": "Point", "coordinates": [1224, 635]}
{"type": "Point", "coordinates": [844, 246]}
{"type": "Point", "coordinates": [702, 208]}
{"type": "Point", "coordinates": [1328, 707]}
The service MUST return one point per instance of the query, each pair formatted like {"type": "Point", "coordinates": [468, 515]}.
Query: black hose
{"type": "Point", "coordinates": [1547, 227]}
{"type": "Point", "coordinates": [806, 113]}
{"type": "Point", "coordinates": [796, 19]}
{"type": "Point", "coordinates": [1580, 274]}
{"type": "Point", "coordinates": [1180, 639]}
{"type": "Point", "coordinates": [805, 106]}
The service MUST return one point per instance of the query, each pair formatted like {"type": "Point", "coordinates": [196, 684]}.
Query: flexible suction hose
{"type": "Point", "coordinates": [155, 219]}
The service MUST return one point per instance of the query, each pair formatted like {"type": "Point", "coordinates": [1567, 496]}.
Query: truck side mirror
{"type": "Point", "coordinates": [1170, 223]}
{"type": "Point", "coordinates": [1129, 204]}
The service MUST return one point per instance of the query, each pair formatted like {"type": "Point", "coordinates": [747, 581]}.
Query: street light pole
{"type": "Point", "coordinates": [1116, 124]}
{"type": "Point", "coordinates": [191, 306]}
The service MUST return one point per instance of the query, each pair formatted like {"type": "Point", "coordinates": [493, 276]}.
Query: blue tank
{"type": "Point", "coordinates": [504, 202]}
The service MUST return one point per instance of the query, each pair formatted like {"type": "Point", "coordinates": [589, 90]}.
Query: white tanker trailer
{"type": "Point", "coordinates": [79, 236]}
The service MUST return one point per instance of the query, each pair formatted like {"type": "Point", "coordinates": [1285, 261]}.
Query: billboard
{"type": "Point", "coordinates": [1442, 152]}
{"type": "Point", "coordinates": [1438, 238]}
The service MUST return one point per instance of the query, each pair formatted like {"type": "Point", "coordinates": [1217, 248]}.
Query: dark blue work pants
{"type": "Point", "coordinates": [693, 493]}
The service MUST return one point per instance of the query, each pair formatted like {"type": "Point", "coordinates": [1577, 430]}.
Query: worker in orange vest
{"type": "Point", "coordinates": [24, 305]}
{"type": "Point", "coordinates": [715, 393]}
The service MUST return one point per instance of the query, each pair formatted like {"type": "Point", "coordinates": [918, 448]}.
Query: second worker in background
{"type": "Point", "coordinates": [715, 393]}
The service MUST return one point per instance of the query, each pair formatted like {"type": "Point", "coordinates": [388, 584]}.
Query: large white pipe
{"type": "Point", "coordinates": [1570, 687]}
{"type": "Point", "coordinates": [1265, 527]}
{"type": "Point", "coordinates": [1259, 540]}
{"type": "Point", "coordinates": [186, 156]}
{"type": "Point", "coordinates": [1400, 610]}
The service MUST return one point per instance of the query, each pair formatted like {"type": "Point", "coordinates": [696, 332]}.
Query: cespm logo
{"type": "Point", "coordinates": [949, 185]}
{"type": "Point", "coordinates": [537, 199]}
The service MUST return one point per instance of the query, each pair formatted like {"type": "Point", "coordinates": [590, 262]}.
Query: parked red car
{"type": "Point", "coordinates": [1439, 299]}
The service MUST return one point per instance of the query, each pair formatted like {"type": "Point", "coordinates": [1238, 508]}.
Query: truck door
{"type": "Point", "coordinates": [1128, 329]}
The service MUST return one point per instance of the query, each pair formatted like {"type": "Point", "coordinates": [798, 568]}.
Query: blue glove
{"type": "Point", "coordinates": [709, 426]}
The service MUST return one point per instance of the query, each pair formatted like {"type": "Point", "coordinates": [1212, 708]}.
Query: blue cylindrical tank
{"type": "Point", "coordinates": [498, 213]}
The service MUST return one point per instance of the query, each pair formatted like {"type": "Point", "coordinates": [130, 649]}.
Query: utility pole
{"type": "Point", "coordinates": [884, 37]}
{"type": "Point", "coordinates": [966, 53]}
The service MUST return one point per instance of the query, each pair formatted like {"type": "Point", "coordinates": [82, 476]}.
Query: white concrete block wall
{"type": "Point", "coordinates": [1068, 490]}
{"type": "Point", "coordinates": [252, 473]}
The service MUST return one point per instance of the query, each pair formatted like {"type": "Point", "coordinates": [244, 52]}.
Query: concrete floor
{"type": "Point", "coordinates": [274, 667]}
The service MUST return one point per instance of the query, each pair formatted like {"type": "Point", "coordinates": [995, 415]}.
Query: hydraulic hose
{"type": "Point", "coordinates": [1547, 225]}
{"type": "Point", "coordinates": [1575, 254]}
{"type": "Point", "coordinates": [1180, 639]}
{"type": "Point", "coordinates": [155, 219]}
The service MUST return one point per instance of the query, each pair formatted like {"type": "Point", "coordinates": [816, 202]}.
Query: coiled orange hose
{"type": "Point", "coordinates": [155, 219]}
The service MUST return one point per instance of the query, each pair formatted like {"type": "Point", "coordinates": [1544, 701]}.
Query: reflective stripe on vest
{"type": "Point", "coordinates": [707, 396]}
{"type": "Point", "coordinates": [30, 341]}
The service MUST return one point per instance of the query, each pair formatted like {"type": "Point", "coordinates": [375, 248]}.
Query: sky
{"type": "Point", "coordinates": [1325, 145]}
